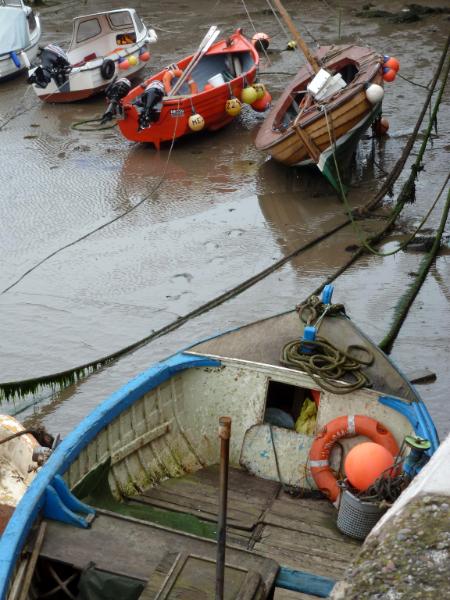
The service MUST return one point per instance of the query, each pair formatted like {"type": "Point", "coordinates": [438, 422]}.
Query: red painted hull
{"type": "Point", "coordinates": [173, 121]}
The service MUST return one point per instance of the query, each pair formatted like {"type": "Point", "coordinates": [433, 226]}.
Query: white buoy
{"type": "Point", "coordinates": [374, 93]}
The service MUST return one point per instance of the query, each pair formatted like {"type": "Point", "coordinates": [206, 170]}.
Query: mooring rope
{"type": "Point", "coordinates": [104, 225]}
{"type": "Point", "coordinates": [407, 299]}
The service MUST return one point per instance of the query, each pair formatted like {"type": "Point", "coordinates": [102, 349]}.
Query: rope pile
{"type": "Point", "coordinates": [335, 370]}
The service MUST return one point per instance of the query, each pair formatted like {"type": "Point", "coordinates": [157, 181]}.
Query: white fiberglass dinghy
{"type": "Point", "coordinates": [103, 45]}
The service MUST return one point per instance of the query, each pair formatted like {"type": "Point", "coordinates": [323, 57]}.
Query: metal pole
{"type": "Point", "coordinates": [224, 435]}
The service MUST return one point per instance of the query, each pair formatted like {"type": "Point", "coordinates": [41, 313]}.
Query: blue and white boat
{"type": "Point", "coordinates": [130, 495]}
{"type": "Point", "coordinates": [20, 32]}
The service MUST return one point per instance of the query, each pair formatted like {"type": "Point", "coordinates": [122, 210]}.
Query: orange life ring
{"type": "Point", "coordinates": [170, 74]}
{"type": "Point", "coordinates": [343, 427]}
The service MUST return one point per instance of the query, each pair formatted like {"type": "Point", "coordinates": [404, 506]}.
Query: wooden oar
{"type": "Point", "coordinates": [298, 38]}
{"type": "Point", "coordinates": [205, 45]}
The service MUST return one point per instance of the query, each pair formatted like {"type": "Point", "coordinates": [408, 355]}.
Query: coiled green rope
{"type": "Point", "coordinates": [328, 365]}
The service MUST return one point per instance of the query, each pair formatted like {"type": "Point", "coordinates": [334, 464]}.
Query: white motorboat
{"type": "Point", "coordinates": [103, 45]}
{"type": "Point", "coordinates": [20, 32]}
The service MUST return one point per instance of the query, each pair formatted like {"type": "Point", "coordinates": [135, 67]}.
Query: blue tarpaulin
{"type": "Point", "coordinates": [14, 33]}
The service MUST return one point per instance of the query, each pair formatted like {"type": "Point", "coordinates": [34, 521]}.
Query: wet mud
{"type": "Point", "coordinates": [222, 213]}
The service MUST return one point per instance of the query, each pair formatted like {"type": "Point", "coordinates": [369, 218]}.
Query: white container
{"type": "Point", "coordinates": [217, 80]}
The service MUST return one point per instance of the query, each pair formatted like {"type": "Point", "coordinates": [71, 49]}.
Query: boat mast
{"type": "Point", "coordinates": [298, 38]}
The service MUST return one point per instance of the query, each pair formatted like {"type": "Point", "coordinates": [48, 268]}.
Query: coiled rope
{"type": "Point", "coordinates": [335, 370]}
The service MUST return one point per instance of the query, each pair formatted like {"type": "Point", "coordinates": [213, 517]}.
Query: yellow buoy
{"type": "Point", "coordinates": [233, 107]}
{"type": "Point", "coordinates": [260, 90]}
{"type": "Point", "coordinates": [249, 95]}
{"type": "Point", "coordinates": [292, 45]}
{"type": "Point", "coordinates": [196, 122]}
{"type": "Point", "coordinates": [132, 60]}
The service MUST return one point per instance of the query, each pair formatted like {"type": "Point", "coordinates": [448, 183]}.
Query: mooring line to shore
{"type": "Point", "coordinates": [11, 389]}
{"type": "Point", "coordinates": [404, 304]}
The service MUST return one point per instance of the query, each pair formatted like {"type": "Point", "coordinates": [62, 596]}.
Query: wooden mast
{"type": "Point", "coordinates": [298, 38]}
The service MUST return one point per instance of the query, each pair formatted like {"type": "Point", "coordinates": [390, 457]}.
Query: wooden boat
{"type": "Point", "coordinates": [324, 110]}
{"type": "Point", "coordinates": [299, 131]}
{"type": "Point", "coordinates": [20, 32]}
{"type": "Point", "coordinates": [103, 45]}
{"type": "Point", "coordinates": [234, 61]}
{"type": "Point", "coordinates": [133, 489]}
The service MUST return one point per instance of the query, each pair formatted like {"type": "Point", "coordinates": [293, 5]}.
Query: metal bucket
{"type": "Point", "coordinates": [355, 517]}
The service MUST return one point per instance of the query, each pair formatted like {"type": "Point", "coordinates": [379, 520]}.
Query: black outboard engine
{"type": "Point", "coordinates": [114, 93]}
{"type": "Point", "coordinates": [54, 65]}
{"type": "Point", "coordinates": [152, 95]}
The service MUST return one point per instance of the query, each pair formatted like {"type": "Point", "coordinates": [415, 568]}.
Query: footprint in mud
{"type": "Point", "coordinates": [211, 246]}
{"type": "Point", "coordinates": [178, 296]}
{"type": "Point", "coordinates": [186, 276]}
{"type": "Point", "coordinates": [234, 233]}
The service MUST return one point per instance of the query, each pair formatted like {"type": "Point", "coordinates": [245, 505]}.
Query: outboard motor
{"type": "Point", "coordinates": [54, 65]}
{"type": "Point", "coordinates": [152, 95]}
{"type": "Point", "coordinates": [114, 93]}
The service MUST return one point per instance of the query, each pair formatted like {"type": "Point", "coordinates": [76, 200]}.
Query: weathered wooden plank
{"type": "Point", "coordinates": [329, 549]}
{"type": "Point", "coordinates": [307, 527]}
{"type": "Point", "coordinates": [281, 594]}
{"type": "Point", "coordinates": [301, 560]}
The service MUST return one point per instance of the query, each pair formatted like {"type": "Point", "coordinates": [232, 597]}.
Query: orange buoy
{"type": "Point", "coordinates": [208, 86]}
{"type": "Point", "coordinates": [381, 126]}
{"type": "Point", "coordinates": [389, 74]}
{"type": "Point", "coordinates": [144, 56]}
{"type": "Point", "coordinates": [392, 63]}
{"type": "Point", "coordinates": [343, 427]}
{"type": "Point", "coordinates": [365, 463]}
{"type": "Point", "coordinates": [260, 41]}
{"type": "Point", "coordinates": [263, 103]}
{"type": "Point", "coordinates": [124, 65]}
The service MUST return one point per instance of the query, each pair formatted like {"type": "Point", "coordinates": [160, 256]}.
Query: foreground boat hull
{"type": "Point", "coordinates": [163, 424]}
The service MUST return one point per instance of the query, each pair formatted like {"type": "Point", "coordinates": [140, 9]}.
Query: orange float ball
{"type": "Point", "coordinates": [144, 56]}
{"type": "Point", "coordinates": [263, 103]}
{"type": "Point", "coordinates": [389, 75]}
{"type": "Point", "coordinates": [261, 41]}
{"type": "Point", "coordinates": [208, 86]}
{"type": "Point", "coordinates": [365, 463]}
{"type": "Point", "coordinates": [392, 63]}
{"type": "Point", "coordinates": [124, 65]}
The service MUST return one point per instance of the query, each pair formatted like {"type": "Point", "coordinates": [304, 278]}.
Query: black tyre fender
{"type": "Point", "coordinates": [107, 69]}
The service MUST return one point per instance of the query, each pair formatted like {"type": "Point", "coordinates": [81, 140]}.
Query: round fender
{"type": "Point", "coordinates": [108, 69]}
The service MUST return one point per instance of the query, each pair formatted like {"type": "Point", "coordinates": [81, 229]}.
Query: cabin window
{"type": "Point", "coordinates": [139, 23]}
{"type": "Point", "coordinates": [88, 30]}
{"type": "Point", "coordinates": [122, 39]}
{"type": "Point", "coordinates": [120, 19]}
{"type": "Point", "coordinates": [284, 405]}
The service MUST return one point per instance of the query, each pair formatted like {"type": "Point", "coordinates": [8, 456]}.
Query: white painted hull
{"type": "Point", "coordinates": [7, 65]}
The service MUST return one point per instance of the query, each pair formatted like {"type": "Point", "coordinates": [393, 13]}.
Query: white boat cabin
{"type": "Point", "coordinates": [105, 33]}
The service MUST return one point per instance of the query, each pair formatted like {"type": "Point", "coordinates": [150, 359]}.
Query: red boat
{"type": "Point", "coordinates": [151, 112]}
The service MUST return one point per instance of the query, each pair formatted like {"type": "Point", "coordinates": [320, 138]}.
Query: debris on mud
{"type": "Point", "coordinates": [410, 14]}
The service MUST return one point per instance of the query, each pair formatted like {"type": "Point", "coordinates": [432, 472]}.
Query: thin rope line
{"type": "Point", "coordinates": [104, 225]}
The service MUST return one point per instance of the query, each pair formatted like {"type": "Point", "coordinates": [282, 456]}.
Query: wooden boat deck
{"type": "Point", "coordinates": [264, 523]}
{"type": "Point", "coordinates": [299, 533]}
